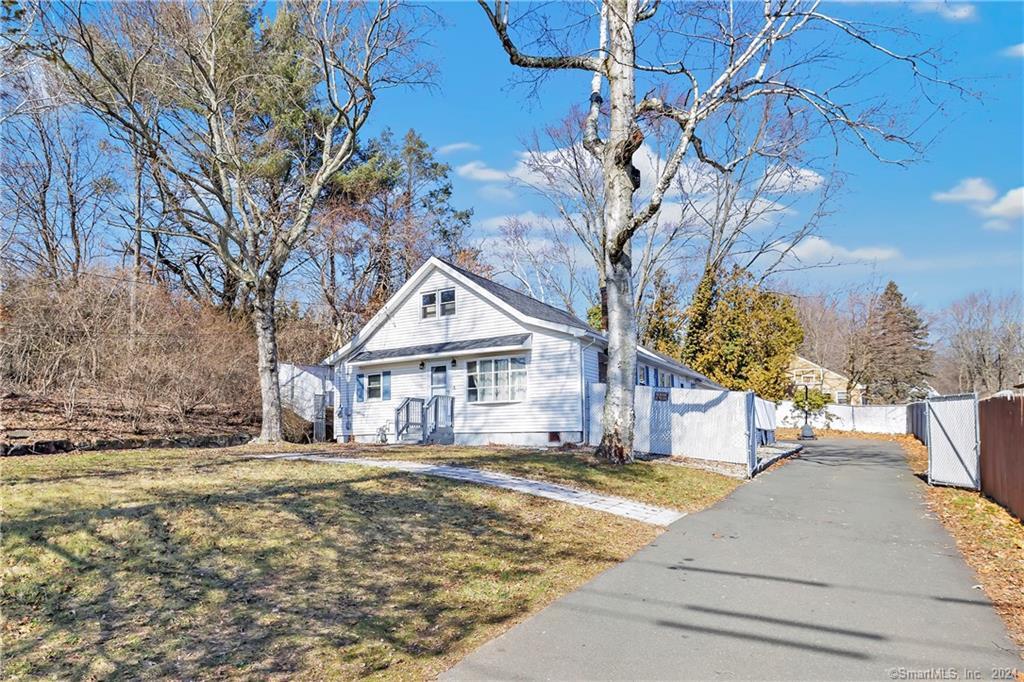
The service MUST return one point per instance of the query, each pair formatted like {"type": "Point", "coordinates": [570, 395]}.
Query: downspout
{"type": "Point", "coordinates": [584, 422]}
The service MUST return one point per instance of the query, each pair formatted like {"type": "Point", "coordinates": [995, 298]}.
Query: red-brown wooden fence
{"type": "Point", "coordinates": [1001, 422]}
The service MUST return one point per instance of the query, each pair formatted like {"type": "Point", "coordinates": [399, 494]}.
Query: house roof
{"type": "Point", "coordinates": [823, 368]}
{"type": "Point", "coordinates": [521, 302]}
{"type": "Point", "coordinates": [507, 341]}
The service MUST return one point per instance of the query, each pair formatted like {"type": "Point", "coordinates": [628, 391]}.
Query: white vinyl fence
{"type": "Point", "coordinates": [688, 422]}
{"type": "Point", "coordinates": [306, 391]}
{"type": "Point", "coordinates": [947, 424]}
{"type": "Point", "coordinates": [764, 420]}
{"type": "Point", "coordinates": [863, 418]}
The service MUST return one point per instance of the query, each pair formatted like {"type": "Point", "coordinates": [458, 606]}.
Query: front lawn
{"type": "Point", "coordinates": [679, 487]}
{"type": "Point", "coordinates": [202, 564]}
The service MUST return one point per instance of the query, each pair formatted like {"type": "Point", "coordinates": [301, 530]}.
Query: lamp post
{"type": "Point", "coordinates": [806, 433]}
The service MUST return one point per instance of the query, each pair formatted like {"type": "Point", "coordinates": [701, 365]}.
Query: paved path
{"type": "Point", "coordinates": [658, 516]}
{"type": "Point", "coordinates": [828, 567]}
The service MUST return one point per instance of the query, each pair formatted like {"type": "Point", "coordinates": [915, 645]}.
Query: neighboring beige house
{"type": "Point", "coordinates": [802, 372]}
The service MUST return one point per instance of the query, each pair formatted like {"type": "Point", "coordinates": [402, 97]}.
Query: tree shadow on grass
{"type": "Point", "coordinates": [272, 578]}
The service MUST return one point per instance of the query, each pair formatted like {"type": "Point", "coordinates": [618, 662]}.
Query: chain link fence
{"type": "Point", "coordinates": [953, 453]}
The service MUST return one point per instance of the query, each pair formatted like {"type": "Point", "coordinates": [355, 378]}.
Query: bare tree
{"type": "Point", "coordinates": [19, 93]}
{"type": "Point", "coordinates": [245, 121]}
{"type": "Point", "coordinates": [721, 54]}
{"type": "Point", "coordinates": [56, 188]}
{"type": "Point", "coordinates": [558, 168]}
{"type": "Point", "coordinates": [543, 261]}
{"type": "Point", "coordinates": [981, 342]}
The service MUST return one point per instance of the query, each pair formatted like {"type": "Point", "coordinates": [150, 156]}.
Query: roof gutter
{"type": "Point", "coordinates": [433, 356]}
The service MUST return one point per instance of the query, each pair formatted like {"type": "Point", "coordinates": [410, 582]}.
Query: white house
{"type": "Point", "coordinates": [456, 357]}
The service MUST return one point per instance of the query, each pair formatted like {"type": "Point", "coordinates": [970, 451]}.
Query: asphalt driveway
{"type": "Point", "coordinates": [828, 567]}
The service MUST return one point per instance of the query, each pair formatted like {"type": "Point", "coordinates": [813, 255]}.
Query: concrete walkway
{"type": "Point", "coordinates": [658, 516]}
{"type": "Point", "coordinates": [828, 567]}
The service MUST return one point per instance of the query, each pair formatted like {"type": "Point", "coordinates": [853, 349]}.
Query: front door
{"type": "Point", "coordinates": [438, 380]}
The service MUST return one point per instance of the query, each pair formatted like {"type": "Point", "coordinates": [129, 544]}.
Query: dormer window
{"type": "Point", "coordinates": [447, 302]}
{"type": "Point", "coordinates": [429, 304]}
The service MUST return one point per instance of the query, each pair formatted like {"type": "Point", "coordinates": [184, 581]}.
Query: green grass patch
{"type": "Point", "coordinates": [203, 564]}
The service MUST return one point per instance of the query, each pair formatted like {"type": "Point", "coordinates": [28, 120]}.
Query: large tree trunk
{"type": "Point", "coordinates": [266, 347]}
{"type": "Point", "coordinates": [623, 139]}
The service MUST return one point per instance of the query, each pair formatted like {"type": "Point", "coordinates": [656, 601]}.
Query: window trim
{"type": "Point", "coordinates": [380, 387]}
{"type": "Point", "coordinates": [524, 372]}
{"type": "Point", "coordinates": [438, 304]}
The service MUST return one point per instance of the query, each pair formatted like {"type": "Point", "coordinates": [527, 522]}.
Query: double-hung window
{"type": "Point", "coordinates": [496, 380]}
{"type": "Point", "coordinates": [447, 302]}
{"type": "Point", "coordinates": [429, 303]}
{"type": "Point", "coordinates": [375, 386]}
{"type": "Point", "coordinates": [429, 306]}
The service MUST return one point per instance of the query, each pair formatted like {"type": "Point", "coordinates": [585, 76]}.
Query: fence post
{"type": "Point", "coordinates": [751, 435]}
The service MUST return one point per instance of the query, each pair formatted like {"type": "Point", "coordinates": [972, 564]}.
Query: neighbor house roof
{"type": "Point", "coordinates": [447, 348]}
{"type": "Point", "coordinates": [821, 367]}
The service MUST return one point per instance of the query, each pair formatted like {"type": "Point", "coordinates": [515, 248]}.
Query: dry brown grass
{"type": "Point", "coordinates": [204, 564]}
{"type": "Point", "coordinates": [989, 537]}
{"type": "Point", "coordinates": [792, 434]}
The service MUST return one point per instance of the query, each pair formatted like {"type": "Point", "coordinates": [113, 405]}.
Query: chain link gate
{"type": "Point", "coordinates": [953, 453]}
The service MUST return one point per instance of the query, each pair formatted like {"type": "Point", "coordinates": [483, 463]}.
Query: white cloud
{"type": "Point", "coordinates": [481, 172]}
{"type": "Point", "coordinates": [950, 11]}
{"type": "Point", "coordinates": [790, 179]}
{"type": "Point", "coordinates": [458, 147]}
{"type": "Point", "coordinates": [494, 223]}
{"type": "Point", "coordinates": [981, 196]}
{"type": "Point", "coordinates": [1014, 51]}
{"type": "Point", "coordinates": [1009, 207]}
{"type": "Point", "coordinates": [496, 193]}
{"type": "Point", "coordinates": [821, 250]}
{"type": "Point", "coordinates": [996, 225]}
{"type": "Point", "coordinates": [968, 190]}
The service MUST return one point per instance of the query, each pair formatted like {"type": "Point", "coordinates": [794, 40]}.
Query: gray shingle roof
{"type": "Point", "coordinates": [534, 308]}
{"type": "Point", "coordinates": [449, 347]}
{"type": "Point", "coordinates": [523, 303]}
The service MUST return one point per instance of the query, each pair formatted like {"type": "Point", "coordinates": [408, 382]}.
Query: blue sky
{"type": "Point", "coordinates": [941, 228]}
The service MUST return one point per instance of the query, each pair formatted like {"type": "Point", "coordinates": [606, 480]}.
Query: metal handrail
{"type": "Point", "coordinates": [439, 412]}
{"type": "Point", "coordinates": [405, 410]}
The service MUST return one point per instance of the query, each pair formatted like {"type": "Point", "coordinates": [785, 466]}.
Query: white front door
{"type": "Point", "coordinates": [438, 380]}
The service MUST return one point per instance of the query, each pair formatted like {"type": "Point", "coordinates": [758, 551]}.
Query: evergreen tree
{"type": "Point", "coordinates": [594, 317]}
{"type": "Point", "coordinates": [663, 327]}
{"type": "Point", "coordinates": [698, 316]}
{"type": "Point", "coordinates": [746, 338]}
{"type": "Point", "coordinates": [899, 356]}
{"type": "Point", "coordinates": [395, 196]}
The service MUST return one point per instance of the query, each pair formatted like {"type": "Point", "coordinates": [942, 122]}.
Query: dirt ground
{"type": "Point", "coordinates": [100, 417]}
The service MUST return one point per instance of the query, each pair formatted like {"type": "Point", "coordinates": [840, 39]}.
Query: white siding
{"type": "Point", "coordinates": [553, 395]}
{"type": "Point", "coordinates": [590, 370]}
{"type": "Point", "coordinates": [474, 318]}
